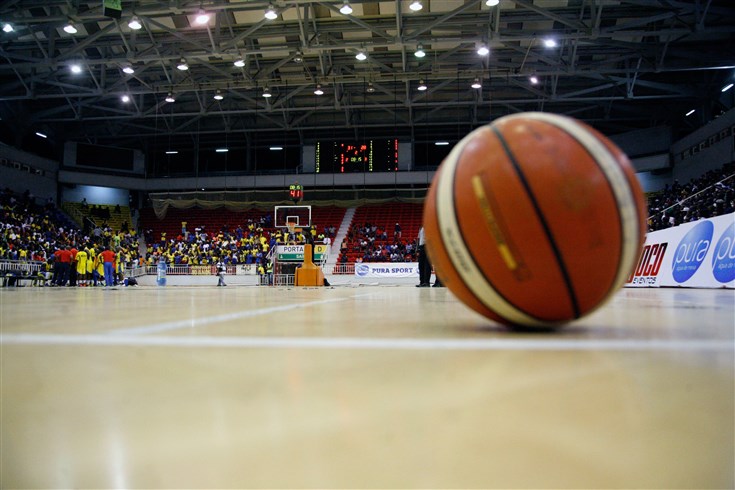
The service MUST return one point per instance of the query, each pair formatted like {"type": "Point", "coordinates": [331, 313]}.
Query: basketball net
{"type": "Point", "coordinates": [292, 230]}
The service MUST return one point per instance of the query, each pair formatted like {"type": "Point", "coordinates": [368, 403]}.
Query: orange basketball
{"type": "Point", "coordinates": [534, 220]}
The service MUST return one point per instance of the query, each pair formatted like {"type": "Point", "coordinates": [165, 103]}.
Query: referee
{"type": "Point", "coordinates": [424, 265]}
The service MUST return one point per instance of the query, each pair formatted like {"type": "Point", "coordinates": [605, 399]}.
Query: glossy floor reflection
{"type": "Point", "coordinates": [360, 387]}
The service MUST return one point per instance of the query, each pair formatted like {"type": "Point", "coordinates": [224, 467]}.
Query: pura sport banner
{"type": "Point", "coordinates": [387, 269]}
{"type": "Point", "coordinates": [700, 254]}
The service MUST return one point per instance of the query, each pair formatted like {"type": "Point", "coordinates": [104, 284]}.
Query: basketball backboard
{"type": "Point", "coordinates": [301, 215]}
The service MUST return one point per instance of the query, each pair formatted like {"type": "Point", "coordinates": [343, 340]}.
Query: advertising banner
{"type": "Point", "coordinates": [700, 254]}
{"type": "Point", "coordinates": [387, 269]}
{"type": "Point", "coordinates": [295, 253]}
{"type": "Point", "coordinates": [246, 269]}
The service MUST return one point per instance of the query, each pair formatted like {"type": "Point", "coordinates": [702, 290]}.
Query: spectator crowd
{"type": "Point", "coordinates": [712, 194]}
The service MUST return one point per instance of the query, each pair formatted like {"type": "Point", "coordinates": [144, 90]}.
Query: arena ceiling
{"type": "Point", "coordinates": [617, 64]}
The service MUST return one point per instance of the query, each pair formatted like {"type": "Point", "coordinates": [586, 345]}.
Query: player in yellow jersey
{"type": "Point", "coordinates": [82, 268]}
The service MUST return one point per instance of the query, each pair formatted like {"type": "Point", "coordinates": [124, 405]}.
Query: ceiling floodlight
{"type": "Point", "coordinates": [128, 69]}
{"type": "Point", "coordinates": [221, 150]}
{"type": "Point", "coordinates": [483, 50]}
{"type": "Point", "coordinates": [7, 27]}
{"type": "Point", "coordinates": [346, 9]}
{"type": "Point", "coordinates": [170, 98]}
{"type": "Point", "coordinates": [276, 148]}
{"type": "Point", "coordinates": [182, 65]}
{"type": "Point", "coordinates": [420, 53]}
{"type": "Point", "coordinates": [441, 143]}
{"type": "Point", "coordinates": [135, 24]}
{"type": "Point", "coordinates": [690, 112]}
{"type": "Point", "coordinates": [492, 3]}
{"type": "Point", "coordinates": [218, 95]}
{"type": "Point", "coordinates": [476, 83]}
{"type": "Point", "coordinates": [172, 152]}
{"type": "Point", "coordinates": [416, 5]}
{"type": "Point", "coordinates": [202, 17]}
{"type": "Point", "coordinates": [69, 28]}
{"type": "Point", "coordinates": [298, 57]}
{"type": "Point", "coordinates": [370, 88]}
{"type": "Point", "coordinates": [76, 68]}
{"type": "Point", "coordinates": [361, 55]}
{"type": "Point", "coordinates": [267, 93]}
{"type": "Point", "coordinates": [239, 62]}
{"type": "Point", "coordinates": [125, 98]}
{"type": "Point", "coordinates": [550, 43]}
{"type": "Point", "coordinates": [41, 135]}
{"type": "Point", "coordinates": [727, 87]}
{"type": "Point", "coordinates": [270, 13]}
{"type": "Point", "coordinates": [533, 79]}
{"type": "Point", "coordinates": [318, 90]}
{"type": "Point", "coordinates": [422, 86]}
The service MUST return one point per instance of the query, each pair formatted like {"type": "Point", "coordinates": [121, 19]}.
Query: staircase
{"type": "Point", "coordinates": [344, 227]}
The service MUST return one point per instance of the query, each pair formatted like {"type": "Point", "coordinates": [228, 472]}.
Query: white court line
{"type": "Point", "coordinates": [238, 315]}
{"type": "Point", "coordinates": [371, 343]}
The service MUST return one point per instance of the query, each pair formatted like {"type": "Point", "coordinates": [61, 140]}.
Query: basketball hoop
{"type": "Point", "coordinates": [291, 225]}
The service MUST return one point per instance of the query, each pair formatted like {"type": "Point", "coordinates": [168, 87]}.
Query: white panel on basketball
{"type": "Point", "coordinates": [618, 182]}
{"type": "Point", "coordinates": [457, 251]}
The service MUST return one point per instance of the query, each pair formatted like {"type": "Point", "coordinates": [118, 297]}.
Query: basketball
{"type": "Point", "coordinates": [534, 220]}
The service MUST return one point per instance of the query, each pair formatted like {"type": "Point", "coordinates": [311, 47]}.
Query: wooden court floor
{"type": "Point", "coordinates": [369, 387]}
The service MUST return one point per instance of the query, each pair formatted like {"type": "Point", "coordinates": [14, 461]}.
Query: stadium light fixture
{"type": "Point", "coordinates": [276, 148]}
{"type": "Point", "coordinates": [270, 13]}
{"type": "Point", "coordinates": [298, 57]}
{"type": "Point", "coordinates": [690, 113]}
{"type": "Point", "coordinates": [550, 42]}
{"type": "Point", "coordinates": [128, 69]}
{"type": "Point", "coordinates": [416, 5]}
{"type": "Point", "coordinates": [7, 27]}
{"type": "Point", "coordinates": [361, 55]}
{"type": "Point", "coordinates": [476, 83]}
{"type": "Point", "coordinates": [727, 87]}
{"type": "Point", "coordinates": [318, 90]}
{"type": "Point", "coordinates": [202, 17]}
{"type": "Point", "coordinates": [70, 28]}
{"type": "Point", "coordinates": [533, 79]}
{"type": "Point", "coordinates": [483, 50]}
{"type": "Point", "coordinates": [135, 24]}
{"type": "Point", "coordinates": [183, 66]}
{"type": "Point", "coordinates": [346, 9]}
{"type": "Point", "coordinates": [492, 3]}
{"type": "Point", "coordinates": [422, 86]}
{"type": "Point", "coordinates": [221, 150]}
{"type": "Point", "coordinates": [239, 62]}
{"type": "Point", "coordinates": [442, 143]}
{"type": "Point", "coordinates": [370, 88]}
{"type": "Point", "coordinates": [419, 53]}
{"type": "Point", "coordinates": [172, 152]}
{"type": "Point", "coordinates": [41, 135]}
{"type": "Point", "coordinates": [218, 95]}
{"type": "Point", "coordinates": [267, 93]}
{"type": "Point", "coordinates": [125, 98]}
{"type": "Point", "coordinates": [170, 98]}
{"type": "Point", "coordinates": [76, 68]}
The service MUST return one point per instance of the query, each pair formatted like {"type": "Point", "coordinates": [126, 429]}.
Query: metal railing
{"type": "Point", "coordinates": [344, 269]}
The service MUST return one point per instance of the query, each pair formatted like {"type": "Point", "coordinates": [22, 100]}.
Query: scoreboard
{"type": "Point", "coordinates": [379, 155]}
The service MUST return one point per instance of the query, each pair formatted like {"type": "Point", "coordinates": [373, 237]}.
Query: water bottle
{"type": "Point", "coordinates": [161, 278]}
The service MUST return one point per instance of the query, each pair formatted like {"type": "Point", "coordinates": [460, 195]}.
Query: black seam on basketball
{"type": "Point", "coordinates": [612, 286]}
{"type": "Point", "coordinates": [472, 257]}
{"type": "Point", "coordinates": [544, 224]}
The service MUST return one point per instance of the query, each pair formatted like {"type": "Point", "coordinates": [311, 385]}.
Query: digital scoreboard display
{"type": "Point", "coordinates": [350, 157]}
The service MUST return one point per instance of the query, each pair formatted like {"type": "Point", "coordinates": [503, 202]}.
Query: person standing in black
{"type": "Point", "coordinates": [424, 265]}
